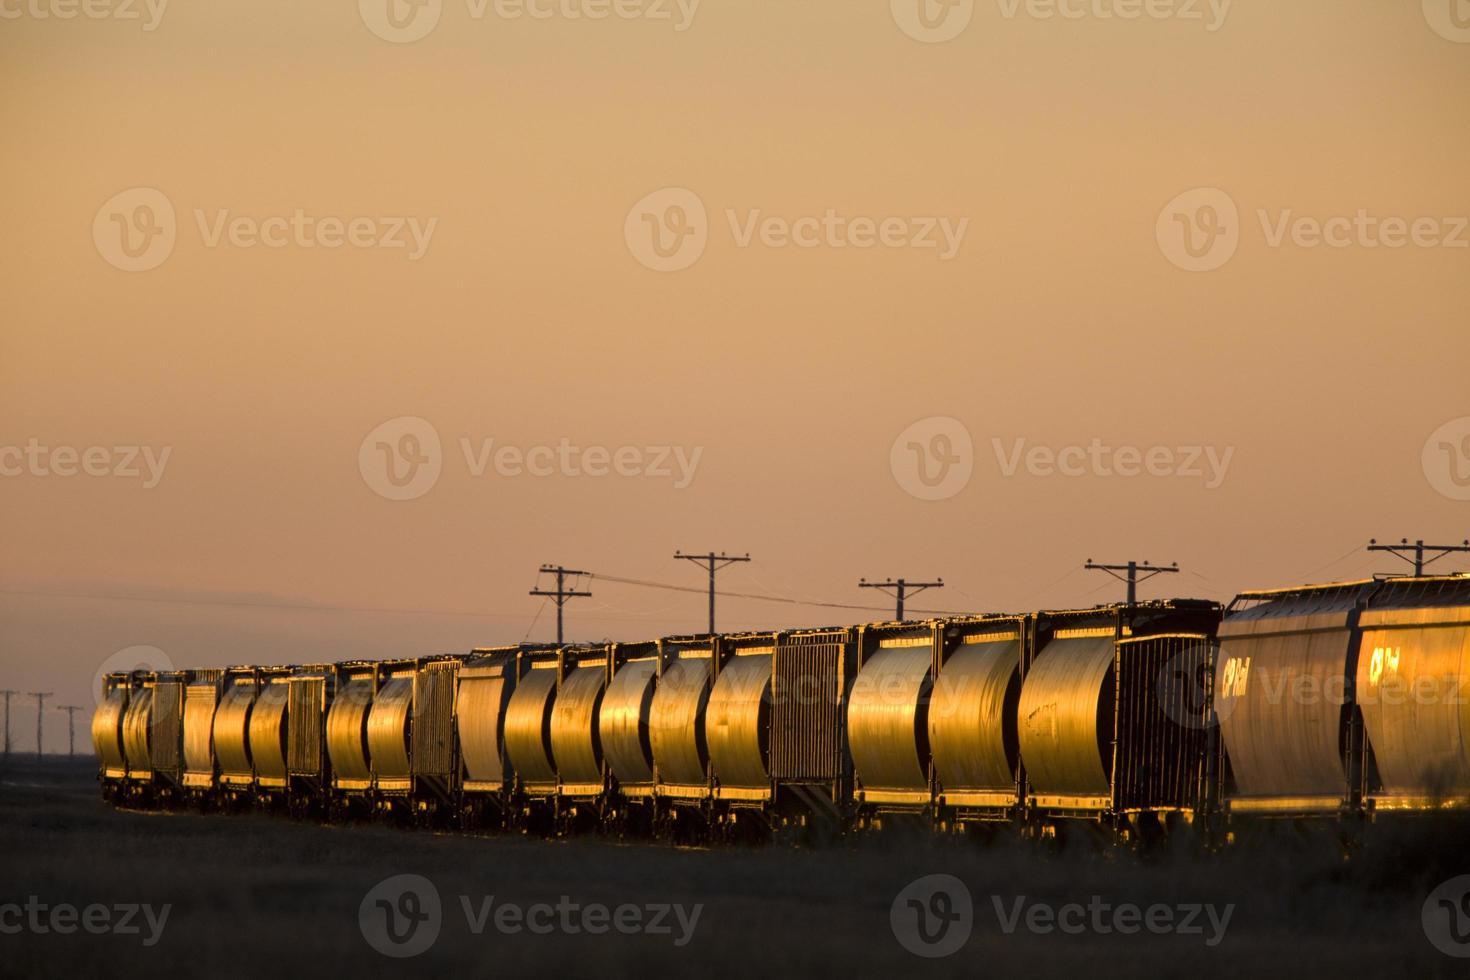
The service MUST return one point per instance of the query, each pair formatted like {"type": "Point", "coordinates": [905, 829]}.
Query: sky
{"type": "Point", "coordinates": [325, 328]}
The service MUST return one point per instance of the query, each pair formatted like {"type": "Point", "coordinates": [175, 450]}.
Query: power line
{"type": "Point", "coordinates": [712, 563]}
{"type": "Point", "coordinates": [562, 595]}
{"type": "Point", "coordinates": [645, 583]}
{"type": "Point", "coordinates": [1414, 553]}
{"type": "Point", "coordinates": [901, 588]}
{"type": "Point", "coordinates": [1131, 570]}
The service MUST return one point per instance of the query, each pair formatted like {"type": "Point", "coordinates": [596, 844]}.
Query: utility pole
{"type": "Point", "coordinates": [8, 695]}
{"type": "Point", "coordinates": [40, 718]}
{"type": "Point", "coordinates": [1414, 553]}
{"type": "Point", "coordinates": [71, 728]}
{"type": "Point", "coordinates": [562, 595]}
{"type": "Point", "coordinates": [900, 587]}
{"type": "Point", "coordinates": [1130, 575]}
{"type": "Point", "coordinates": [712, 563]}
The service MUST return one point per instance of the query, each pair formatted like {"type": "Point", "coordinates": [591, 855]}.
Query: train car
{"type": "Point", "coordinates": [349, 782]}
{"type": "Point", "coordinates": [888, 722]}
{"type": "Point", "coordinates": [230, 735]}
{"type": "Point", "coordinates": [201, 702]}
{"type": "Point", "coordinates": [153, 734]}
{"type": "Point", "coordinates": [972, 730]}
{"type": "Point", "coordinates": [1288, 719]}
{"type": "Point", "coordinates": [1110, 732]}
{"type": "Point", "coordinates": [527, 738]}
{"type": "Point", "coordinates": [108, 738]}
{"type": "Point", "coordinates": [737, 735]}
{"type": "Point", "coordinates": [486, 683]}
{"type": "Point", "coordinates": [683, 787]}
{"type": "Point", "coordinates": [433, 759]}
{"type": "Point", "coordinates": [1413, 694]}
{"type": "Point", "coordinates": [623, 721]}
{"type": "Point", "coordinates": [583, 780]}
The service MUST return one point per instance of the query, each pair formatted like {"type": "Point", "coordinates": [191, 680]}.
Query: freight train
{"type": "Point", "coordinates": [1343, 702]}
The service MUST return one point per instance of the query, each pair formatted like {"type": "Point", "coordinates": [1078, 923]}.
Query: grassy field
{"type": "Point", "coordinates": [254, 895]}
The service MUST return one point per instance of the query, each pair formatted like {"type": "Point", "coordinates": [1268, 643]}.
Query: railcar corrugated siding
{"type": "Point", "coordinates": [806, 712]}
{"type": "Point", "coordinates": [972, 717]}
{"type": "Point", "coordinates": [107, 729]}
{"type": "Point", "coordinates": [738, 722]}
{"type": "Point", "coordinates": [433, 722]}
{"type": "Point", "coordinates": [167, 742]}
{"type": "Point", "coordinates": [305, 721]}
{"type": "Point", "coordinates": [199, 705]}
{"type": "Point", "coordinates": [1065, 717]}
{"type": "Point", "coordinates": [1163, 717]}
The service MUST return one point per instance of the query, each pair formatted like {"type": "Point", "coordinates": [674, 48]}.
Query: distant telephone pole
{"type": "Point", "coordinates": [1130, 573]}
{"type": "Point", "coordinates": [899, 588]}
{"type": "Point", "coordinates": [562, 595]}
{"type": "Point", "coordinates": [71, 728]}
{"type": "Point", "coordinates": [712, 563]}
{"type": "Point", "coordinates": [8, 695]}
{"type": "Point", "coordinates": [40, 718]}
{"type": "Point", "coordinates": [1414, 553]}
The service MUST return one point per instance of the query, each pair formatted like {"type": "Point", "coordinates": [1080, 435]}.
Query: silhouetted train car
{"type": "Point", "coordinates": [231, 733]}
{"type": "Point", "coordinates": [1413, 692]}
{"type": "Point", "coordinates": [972, 714]}
{"type": "Point", "coordinates": [810, 767]}
{"type": "Point", "coordinates": [1284, 682]}
{"type": "Point", "coordinates": [1107, 728]}
{"type": "Point", "coordinates": [153, 734]}
{"type": "Point", "coordinates": [737, 734]}
{"type": "Point", "coordinates": [527, 735]}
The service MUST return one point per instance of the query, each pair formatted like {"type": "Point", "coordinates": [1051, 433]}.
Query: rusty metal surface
{"type": "Point", "coordinates": [887, 726]}
{"type": "Point", "coordinates": [1065, 717]}
{"type": "Point", "coordinates": [972, 716]}
{"type": "Point", "coordinates": [576, 744]}
{"type": "Point", "coordinates": [676, 722]}
{"type": "Point", "coordinates": [268, 731]}
{"type": "Point", "coordinates": [199, 705]}
{"type": "Point", "coordinates": [388, 721]}
{"type": "Point", "coordinates": [107, 729]}
{"type": "Point", "coordinates": [1279, 697]}
{"type": "Point", "coordinates": [137, 730]}
{"type": "Point", "coordinates": [528, 727]}
{"type": "Point", "coordinates": [347, 730]}
{"type": "Point", "coordinates": [737, 722]}
{"type": "Point", "coordinates": [1414, 691]}
{"type": "Point", "coordinates": [232, 728]}
{"type": "Point", "coordinates": [480, 708]}
{"type": "Point", "coordinates": [623, 722]}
